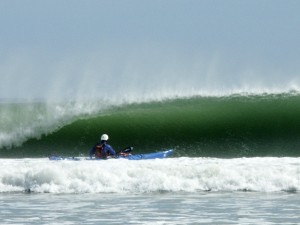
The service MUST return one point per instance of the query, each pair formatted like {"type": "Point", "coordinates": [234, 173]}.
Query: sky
{"type": "Point", "coordinates": [116, 49]}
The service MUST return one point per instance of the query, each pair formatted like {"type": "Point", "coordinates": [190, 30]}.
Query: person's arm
{"type": "Point", "coordinates": [92, 151]}
{"type": "Point", "coordinates": [111, 151]}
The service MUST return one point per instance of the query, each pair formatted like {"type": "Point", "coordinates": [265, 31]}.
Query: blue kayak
{"type": "Point", "coordinates": [154, 155]}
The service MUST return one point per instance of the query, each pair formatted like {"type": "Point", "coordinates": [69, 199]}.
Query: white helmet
{"type": "Point", "coordinates": [104, 137]}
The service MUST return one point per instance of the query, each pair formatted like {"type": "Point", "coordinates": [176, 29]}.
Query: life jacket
{"type": "Point", "coordinates": [98, 152]}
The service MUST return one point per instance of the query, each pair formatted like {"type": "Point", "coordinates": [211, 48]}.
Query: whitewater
{"type": "Point", "coordinates": [173, 175]}
{"type": "Point", "coordinates": [182, 190]}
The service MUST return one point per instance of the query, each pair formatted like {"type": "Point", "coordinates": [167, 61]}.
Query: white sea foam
{"type": "Point", "coordinates": [170, 175]}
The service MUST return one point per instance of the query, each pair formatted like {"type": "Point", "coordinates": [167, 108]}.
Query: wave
{"type": "Point", "coordinates": [150, 176]}
{"type": "Point", "coordinates": [241, 125]}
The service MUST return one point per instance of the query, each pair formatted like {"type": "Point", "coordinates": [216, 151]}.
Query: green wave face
{"type": "Point", "coordinates": [233, 126]}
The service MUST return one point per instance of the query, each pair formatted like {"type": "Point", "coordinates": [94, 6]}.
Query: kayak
{"type": "Point", "coordinates": [153, 155]}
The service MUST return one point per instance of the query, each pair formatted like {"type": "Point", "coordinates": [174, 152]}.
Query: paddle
{"type": "Point", "coordinates": [125, 152]}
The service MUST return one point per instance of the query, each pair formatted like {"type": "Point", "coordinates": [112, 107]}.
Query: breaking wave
{"type": "Point", "coordinates": [241, 125]}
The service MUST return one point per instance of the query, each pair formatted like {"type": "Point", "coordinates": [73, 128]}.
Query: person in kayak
{"type": "Point", "coordinates": [102, 150]}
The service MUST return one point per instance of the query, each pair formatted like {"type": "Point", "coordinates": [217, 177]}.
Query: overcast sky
{"type": "Point", "coordinates": [73, 47]}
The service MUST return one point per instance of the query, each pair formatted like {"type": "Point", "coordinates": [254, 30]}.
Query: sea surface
{"type": "Point", "coordinates": [180, 190]}
{"type": "Point", "coordinates": [155, 208]}
{"type": "Point", "coordinates": [236, 161]}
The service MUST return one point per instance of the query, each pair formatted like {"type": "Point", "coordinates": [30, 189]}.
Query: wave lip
{"type": "Point", "coordinates": [21, 121]}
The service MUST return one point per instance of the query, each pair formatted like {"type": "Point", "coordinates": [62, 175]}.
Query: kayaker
{"type": "Point", "coordinates": [102, 149]}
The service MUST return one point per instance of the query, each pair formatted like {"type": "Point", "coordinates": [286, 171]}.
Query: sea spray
{"type": "Point", "coordinates": [22, 121]}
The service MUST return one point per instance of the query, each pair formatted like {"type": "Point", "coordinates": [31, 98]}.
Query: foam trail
{"type": "Point", "coordinates": [170, 175]}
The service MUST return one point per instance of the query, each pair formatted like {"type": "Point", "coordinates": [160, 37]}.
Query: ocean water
{"type": "Point", "coordinates": [182, 190]}
{"type": "Point", "coordinates": [236, 161]}
{"type": "Point", "coordinates": [156, 208]}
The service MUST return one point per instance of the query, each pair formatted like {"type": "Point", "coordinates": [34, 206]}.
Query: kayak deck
{"type": "Point", "coordinates": [154, 155]}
